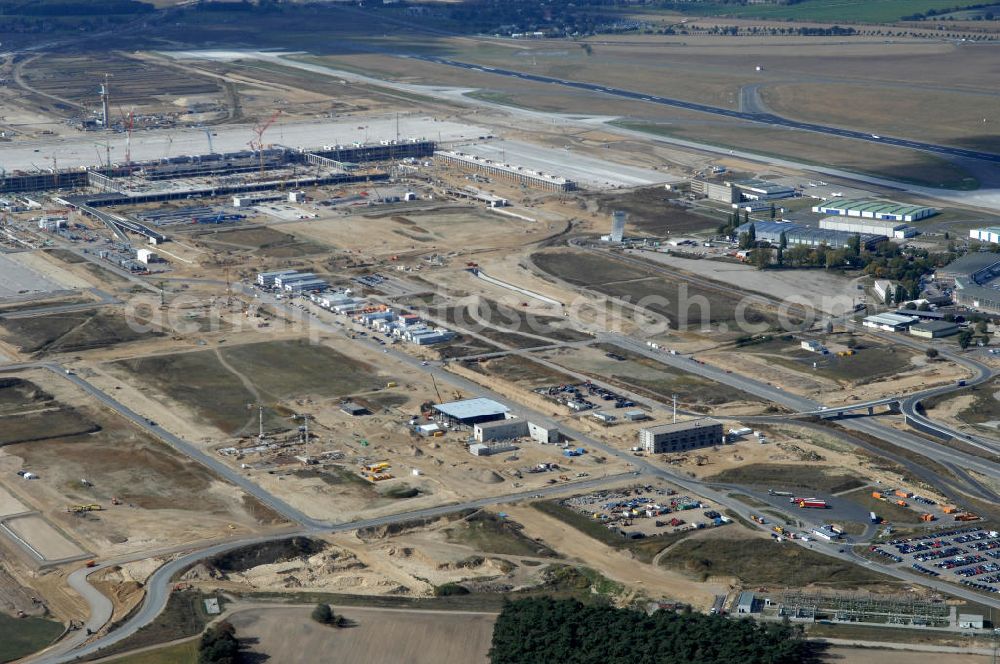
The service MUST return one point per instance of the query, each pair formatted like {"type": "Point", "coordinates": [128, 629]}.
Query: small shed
{"type": "Point", "coordinates": [970, 621]}
{"type": "Point", "coordinates": [353, 409]}
{"type": "Point", "coordinates": [746, 603]}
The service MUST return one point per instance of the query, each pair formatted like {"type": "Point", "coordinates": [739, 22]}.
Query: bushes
{"type": "Point", "coordinates": [449, 589]}
{"type": "Point", "coordinates": [324, 615]}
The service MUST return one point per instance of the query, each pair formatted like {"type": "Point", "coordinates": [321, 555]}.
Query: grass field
{"type": "Point", "coordinates": [265, 241]}
{"type": "Point", "coordinates": [869, 363]}
{"type": "Point", "coordinates": [70, 332]}
{"type": "Point", "coordinates": [830, 11]}
{"type": "Point", "coordinates": [34, 426]}
{"type": "Point", "coordinates": [181, 653]}
{"type": "Point", "coordinates": [756, 562]}
{"type": "Point", "coordinates": [934, 115]}
{"type": "Point", "coordinates": [780, 475]}
{"type": "Point", "coordinates": [183, 616]}
{"type": "Point", "coordinates": [489, 533]}
{"type": "Point", "coordinates": [821, 150]}
{"type": "Point", "coordinates": [22, 636]}
{"type": "Point", "coordinates": [523, 371]}
{"type": "Point", "coordinates": [678, 301]}
{"type": "Point", "coordinates": [276, 371]}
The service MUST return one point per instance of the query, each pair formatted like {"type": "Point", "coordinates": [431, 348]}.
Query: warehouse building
{"type": "Point", "coordinates": [978, 267]}
{"type": "Point", "coordinates": [472, 411]}
{"type": "Point", "coordinates": [934, 329]}
{"type": "Point", "coordinates": [889, 322]}
{"type": "Point", "coordinates": [795, 234]}
{"type": "Point", "coordinates": [893, 229]}
{"type": "Point", "coordinates": [989, 234]}
{"type": "Point", "coordinates": [508, 429]}
{"type": "Point", "coordinates": [872, 209]}
{"type": "Point", "coordinates": [681, 436]}
{"type": "Point", "coordinates": [267, 279]}
{"type": "Point", "coordinates": [761, 190]}
{"type": "Point", "coordinates": [515, 174]}
{"type": "Point", "coordinates": [970, 294]}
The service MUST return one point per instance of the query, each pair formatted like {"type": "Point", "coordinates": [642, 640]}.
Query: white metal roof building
{"type": "Point", "coordinates": [872, 209]}
{"type": "Point", "coordinates": [517, 174]}
{"type": "Point", "coordinates": [889, 322]}
{"type": "Point", "coordinates": [896, 229]}
{"type": "Point", "coordinates": [473, 411]}
{"type": "Point", "coordinates": [989, 234]}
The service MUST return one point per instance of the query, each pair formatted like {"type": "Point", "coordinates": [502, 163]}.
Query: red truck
{"type": "Point", "coordinates": [812, 502]}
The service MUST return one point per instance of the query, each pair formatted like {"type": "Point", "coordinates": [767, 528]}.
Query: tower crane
{"type": "Point", "coordinates": [259, 130]}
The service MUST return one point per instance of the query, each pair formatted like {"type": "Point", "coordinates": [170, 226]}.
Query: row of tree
{"type": "Point", "coordinates": [219, 645]}
{"type": "Point", "coordinates": [543, 630]}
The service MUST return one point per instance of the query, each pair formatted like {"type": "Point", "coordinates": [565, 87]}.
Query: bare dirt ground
{"type": "Point", "coordinates": [378, 635]}
{"type": "Point", "coordinates": [43, 538]}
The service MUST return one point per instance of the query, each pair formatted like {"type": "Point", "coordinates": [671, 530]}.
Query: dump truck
{"type": "Point", "coordinates": [903, 494]}
{"type": "Point", "coordinates": [902, 503]}
{"type": "Point", "coordinates": [949, 509]}
{"type": "Point", "coordinates": [877, 495]}
{"type": "Point", "coordinates": [927, 517]}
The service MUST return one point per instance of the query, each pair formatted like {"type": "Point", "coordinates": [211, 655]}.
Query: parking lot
{"type": "Point", "coordinates": [970, 556]}
{"type": "Point", "coordinates": [643, 511]}
{"type": "Point", "coordinates": [581, 397]}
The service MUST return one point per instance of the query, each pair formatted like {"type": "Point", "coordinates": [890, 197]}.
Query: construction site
{"type": "Point", "coordinates": [355, 337]}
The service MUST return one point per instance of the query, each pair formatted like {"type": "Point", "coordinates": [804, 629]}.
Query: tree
{"type": "Point", "coordinates": [932, 353]}
{"type": "Point", "coordinates": [783, 240]}
{"type": "Point", "coordinates": [746, 216]}
{"type": "Point", "coordinates": [773, 211]}
{"type": "Point", "coordinates": [323, 614]}
{"type": "Point", "coordinates": [965, 338]}
{"type": "Point", "coordinates": [900, 294]}
{"type": "Point", "coordinates": [981, 327]}
{"type": "Point", "coordinates": [761, 258]}
{"type": "Point", "coordinates": [218, 645]}
{"type": "Point", "coordinates": [854, 245]}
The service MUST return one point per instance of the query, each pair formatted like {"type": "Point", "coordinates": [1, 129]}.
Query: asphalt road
{"type": "Point", "coordinates": [765, 118]}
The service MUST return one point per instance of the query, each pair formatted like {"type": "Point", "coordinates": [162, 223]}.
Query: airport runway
{"type": "Point", "coordinates": [768, 119]}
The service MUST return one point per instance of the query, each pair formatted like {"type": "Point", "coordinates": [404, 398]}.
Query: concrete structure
{"type": "Point", "coordinates": [813, 346]}
{"type": "Point", "coordinates": [472, 411]}
{"type": "Point", "coordinates": [761, 190]}
{"type": "Point", "coordinates": [872, 209]}
{"type": "Point", "coordinates": [889, 322]}
{"type": "Point", "coordinates": [310, 285]}
{"type": "Point", "coordinates": [747, 603]}
{"type": "Point", "coordinates": [715, 191]}
{"type": "Point", "coordinates": [617, 226]}
{"type": "Point", "coordinates": [483, 449]}
{"type": "Point", "coordinates": [543, 434]}
{"type": "Point", "coordinates": [681, 436]}
{"type": "Point", "coordinates": [889, 228]}
{"type": "Point", "coordinates": [146, 256]}
{"type": "Point", "coordinates": [47, 223]}
{"type": "Point", "coordinates": [883, 289]}
{"type": "Point", "coordinates": [508, 172]}
{"type": "Point", "coordinates": [771, 232]}
{"type": "Point", "coordinates": [281, 281]}
{"type": "Point", "coordinates": [353, 409]}
{"type": "Point", "coordinates": [934, 329]}
{"type": "Point", "coordinates": [296, 197]}
{"type": "Point", "coordinates": [989, 234]}
{"type": "Point", "coordinates": [636, 415]}
{"type": "Point", "coordinates": [508, 429]}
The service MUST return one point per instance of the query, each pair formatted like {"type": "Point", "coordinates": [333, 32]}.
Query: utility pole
{"type": "Point", "coordinates": [260, 421]}
{"type": "Point", "coordinates": [674, 397]}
